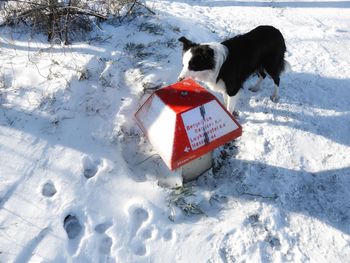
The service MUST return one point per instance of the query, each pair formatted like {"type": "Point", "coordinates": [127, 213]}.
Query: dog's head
{"type": "Point", "coordinates": [197, 60]}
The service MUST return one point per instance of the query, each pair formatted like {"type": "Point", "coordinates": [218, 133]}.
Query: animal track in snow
{"type": "Point", "coordinates": [140, 231]}
{"type": "Point", "coordinates": [48, 189]}
{"type": "Point", "coordinates": [72, 226]}
{"type": "Point", "coordinates": [105, 245]}
{"type": "Point", "coordinates": [168, 235]}
{"type": "Point", "coordinates": [138, 216]}
{"type": "Point", "coordinates": [90, 167]}
{"type": "Point", "coordinates": [75, 231]}
{"type": "Point", "coordinates": [105, 242]}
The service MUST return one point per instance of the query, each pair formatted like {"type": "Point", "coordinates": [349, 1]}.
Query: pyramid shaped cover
{"type": "Point", "coordinates": [184, 121]}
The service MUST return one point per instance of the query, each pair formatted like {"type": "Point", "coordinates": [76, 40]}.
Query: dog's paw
{"type": "Point", "coordinates": [274, 98]}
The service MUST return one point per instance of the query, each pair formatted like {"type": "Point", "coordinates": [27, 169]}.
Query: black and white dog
{"type": "Point", "coordinates": [225, 66]}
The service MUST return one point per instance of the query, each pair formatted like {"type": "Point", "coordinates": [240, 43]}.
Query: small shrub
{"type": "Point", "coordinates": [137, 50]}
{"type": "Point", "coordinates": [151, 28]}
{"type": "Point", "coordinates": [179, 197]}
{"type": "Point", "coordinates": [65, 19]}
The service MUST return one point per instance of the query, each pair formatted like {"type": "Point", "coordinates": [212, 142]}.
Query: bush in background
{"type": "Point", "coordinates": [64, 19]}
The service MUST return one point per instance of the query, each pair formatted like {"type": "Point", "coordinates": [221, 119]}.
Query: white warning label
{"type": "Point", "coordinates": [207, 123]}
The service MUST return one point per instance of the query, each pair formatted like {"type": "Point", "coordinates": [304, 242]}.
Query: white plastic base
{"type": "Point", "coordinates": [195, 168]}
{"type": "Point", "coordinates": [185, 173]}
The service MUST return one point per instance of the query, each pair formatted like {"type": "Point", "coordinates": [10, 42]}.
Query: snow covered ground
{"type": "Point", "coordinates": [79, 182]}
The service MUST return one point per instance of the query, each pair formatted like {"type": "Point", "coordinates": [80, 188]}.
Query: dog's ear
{"type": "Point", "coordinates": [187, 44]}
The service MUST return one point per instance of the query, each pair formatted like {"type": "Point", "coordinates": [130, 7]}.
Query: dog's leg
{"type": "Point", "coordinates": [275, 75]}
{"type": "Point", "coordinates": [232, 102]}
{"type": "Point", "coordinates": [256, 87]}
{"type": "Point", "coordinates": [226, 98]}
{"type": "Point", "coordinates": [261, 73]}
{"type": "Point", "coordinates": [275, 95]}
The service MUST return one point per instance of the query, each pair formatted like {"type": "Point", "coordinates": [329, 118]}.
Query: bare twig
{"type": "Point", "coordinates": [149, 157]}
{"type": "Point", "coordinates": [81, 11]}
{"type": "Point", "coordinates": [147, 8]}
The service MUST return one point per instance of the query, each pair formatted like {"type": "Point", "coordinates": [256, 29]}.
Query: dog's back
{"type": "Point", "coordinates": [259, 50]}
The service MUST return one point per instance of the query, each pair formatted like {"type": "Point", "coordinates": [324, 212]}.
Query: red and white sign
{"type": "Point", "coordinates": [184, 121]}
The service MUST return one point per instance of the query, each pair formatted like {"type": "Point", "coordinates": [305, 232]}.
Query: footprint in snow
{"type": "Point", "coordinates": [74, 230]}
{"type": "Point", "coordinates": [168, 235]}
{"type": "Point", "coordinates": [138, 216]}
{"type": "Point", "coordinates": [106, 242]}
{"type": "Point", "coordinates": [72, 226]}
{"type": "Point", "coordinates": [105, 245]}
{"type": "Point", "coordinates": [140, 230]}
{"type": "Point", "coordinates": [90, 167]}
{"type": "Point", "coordinates": [48, 189]}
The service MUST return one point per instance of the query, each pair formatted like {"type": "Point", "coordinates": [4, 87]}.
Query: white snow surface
{"type": "Point", "coordinates": [70, 148]}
